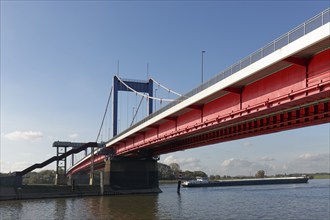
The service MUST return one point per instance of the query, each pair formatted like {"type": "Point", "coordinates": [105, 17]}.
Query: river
{"type": "Point", "coordinates": [293, 201]}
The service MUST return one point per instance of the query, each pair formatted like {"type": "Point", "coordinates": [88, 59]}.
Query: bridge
{"type": "Point", "coordinates": [284, 85]}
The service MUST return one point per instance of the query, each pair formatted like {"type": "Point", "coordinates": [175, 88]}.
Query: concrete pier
{"type": "Point", "coordinates": [60, 179]}
{"type": "Point", "coordinates": [131, 174]}
{"type": "Point", "coordinates": [12, 180]}
{"type": "Point", "coordinates": [81, 178]}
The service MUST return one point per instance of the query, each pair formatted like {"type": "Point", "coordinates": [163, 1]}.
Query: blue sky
{"type": "Point", "coordinates": [58, 59]}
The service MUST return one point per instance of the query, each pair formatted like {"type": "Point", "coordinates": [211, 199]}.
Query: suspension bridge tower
{"type": "Point", "coordinates": [138, 173]}
{"type": "Point", "coordinates": [129, 86]}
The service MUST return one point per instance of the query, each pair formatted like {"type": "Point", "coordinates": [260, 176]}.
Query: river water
{"type": "Point", "coordinates": [293, 201]}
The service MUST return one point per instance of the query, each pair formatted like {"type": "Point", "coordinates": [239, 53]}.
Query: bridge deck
{"type": "Point", "coordinates": [283, 83]}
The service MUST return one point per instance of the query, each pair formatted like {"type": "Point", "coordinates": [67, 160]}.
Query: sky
{"type": "Point", "coordinates": [58, 59]}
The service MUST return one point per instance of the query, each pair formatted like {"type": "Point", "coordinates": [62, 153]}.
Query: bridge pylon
{"type": "Point", "coordinates": [138, 86]}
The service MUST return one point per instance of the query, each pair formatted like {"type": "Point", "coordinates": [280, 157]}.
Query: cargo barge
{"type": "Point", "coordinates": [204, 182]}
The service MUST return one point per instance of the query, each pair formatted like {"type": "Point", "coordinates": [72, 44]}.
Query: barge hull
{"type": "Point", "coordinates": [249, 182]}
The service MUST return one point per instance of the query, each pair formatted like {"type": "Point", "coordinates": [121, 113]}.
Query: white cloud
{"type": "Point", "coordinates": [312, 157]}
{"type": "Point", "coordinates": [266, 159]}
{"type": "Point", "coordinates": [73, 136]}
{"type": "Point", "coordinates": [6, 167]}
{"type": "Point", "coordinates": [247, 144]}
{"type": "Point", "coordinates": [191, 163]}
{"type": "Point", "coordinates": [303, 163]}
{"type": "Point", "coordinates": [24, 135]}
{"type": "Point", "coordinates": [234, 167]}
{"type": "Point", "coordinates": [232, 162]}
{"type": "Point", "coordinates": [309, 163]}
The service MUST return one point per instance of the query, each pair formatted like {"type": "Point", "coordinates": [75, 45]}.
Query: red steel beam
{"type": "Point", "coordinates": [259, 126]}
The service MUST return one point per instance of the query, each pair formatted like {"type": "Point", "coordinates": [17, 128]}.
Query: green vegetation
{"type": "Point", "coordinates": [260, 174]}
{"type": "Point", "coordinates": [173, 172]}
{"type": "Point", "coordinates": [214, 177]}
{"type": "Point", "coordinates": [320, 176]}
{"type": "Point", "coordinates": [42, 177]}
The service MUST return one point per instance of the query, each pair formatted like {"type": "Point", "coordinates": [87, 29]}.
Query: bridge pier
{"type": "Point", "coordinates": [11, 180]}
{"type": "Point", "coordinates": [131, 175]}
{"type": "Point", "coordinates": [80, 178]}
{"type": "Point", "coordinates": [106, 175]}
{"type": "Point", "coordinates": [60, 179]}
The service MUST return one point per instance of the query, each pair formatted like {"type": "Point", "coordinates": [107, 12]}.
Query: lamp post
{"type": "Point", "coordinates": [203, 51]}
{"type": "Point", "coordinates": [155, 100]}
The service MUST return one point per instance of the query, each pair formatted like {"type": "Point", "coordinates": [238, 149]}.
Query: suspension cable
{"type": "Point", "coordinates": [105, 113]}
{"type": "Point", "coordinates": [138, 93]}
{"type": "Point", "coordinates": [136, 111]}
{"type": "Point", "coordinates": [146, 96]}
{"type": "Point", "coordinates": [164, 87]}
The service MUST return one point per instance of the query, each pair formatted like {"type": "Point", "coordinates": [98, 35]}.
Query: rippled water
{"type": "Point", "coordinates": [293, 201]}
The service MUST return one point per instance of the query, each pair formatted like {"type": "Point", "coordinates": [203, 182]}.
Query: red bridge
{"type": "Point", "coordinates": [285, 85]}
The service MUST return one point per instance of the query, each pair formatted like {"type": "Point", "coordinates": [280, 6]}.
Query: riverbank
{"type": "Point", "coordinates": [325, 176]}
{"type": "Point", "coordinates": [52, 191]}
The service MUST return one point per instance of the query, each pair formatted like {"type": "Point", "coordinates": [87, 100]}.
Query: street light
{"type": "Point", "coordinates": [203, 51]}
{"type": "Point", "coordinates": [155, 100]}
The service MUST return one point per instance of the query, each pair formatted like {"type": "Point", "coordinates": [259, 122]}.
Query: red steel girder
{"type": "Point", "coordinates": [314, 115]}
{"type": "Point", "coordinates": [298, 61]}
{"type": "Point", "coordinates": [278, 103]}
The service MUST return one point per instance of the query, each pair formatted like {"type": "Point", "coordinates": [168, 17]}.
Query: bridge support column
{"type": "Point", "coordinates": [81, 178]}
{"type": "Point", "coordinates": [106, 176]}
{"type": "Point", "coordinates": [12, 181]}
{"type": "Point", "coordinates": [60, 179]}
{"type": "Point", "coordinates": [136, 175]}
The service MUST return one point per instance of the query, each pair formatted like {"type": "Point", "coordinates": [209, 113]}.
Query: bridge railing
{"type": "Point", "coordinates": [296, 33]}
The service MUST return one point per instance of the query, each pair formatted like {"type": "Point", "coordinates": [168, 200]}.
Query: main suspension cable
{"type": "Point", "coordinates": [105, 113]}
{"type": "Point", "coordinates": [164, 87]}
{"type": "Point", "coordinates": [146, 96]}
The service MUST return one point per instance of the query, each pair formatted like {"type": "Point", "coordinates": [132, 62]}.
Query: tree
{"type": "Point", "coordinates": [173, 171]}
{"type": "Point", "coordinates": [42, 177]}
{"type": "Point", "coordinates": [165, 172]}
{"type": "Point", "coordinates": [188, 175]}
{"type": "Point", "coordinates": [176, 169]}
{"type": "Point", "coordinates": [260, 174]}
{"type": "Point", "coordinates": [200, 173]}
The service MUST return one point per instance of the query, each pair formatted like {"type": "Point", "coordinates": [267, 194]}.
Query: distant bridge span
{"type": "Point", "coordinates": [286, 88]}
